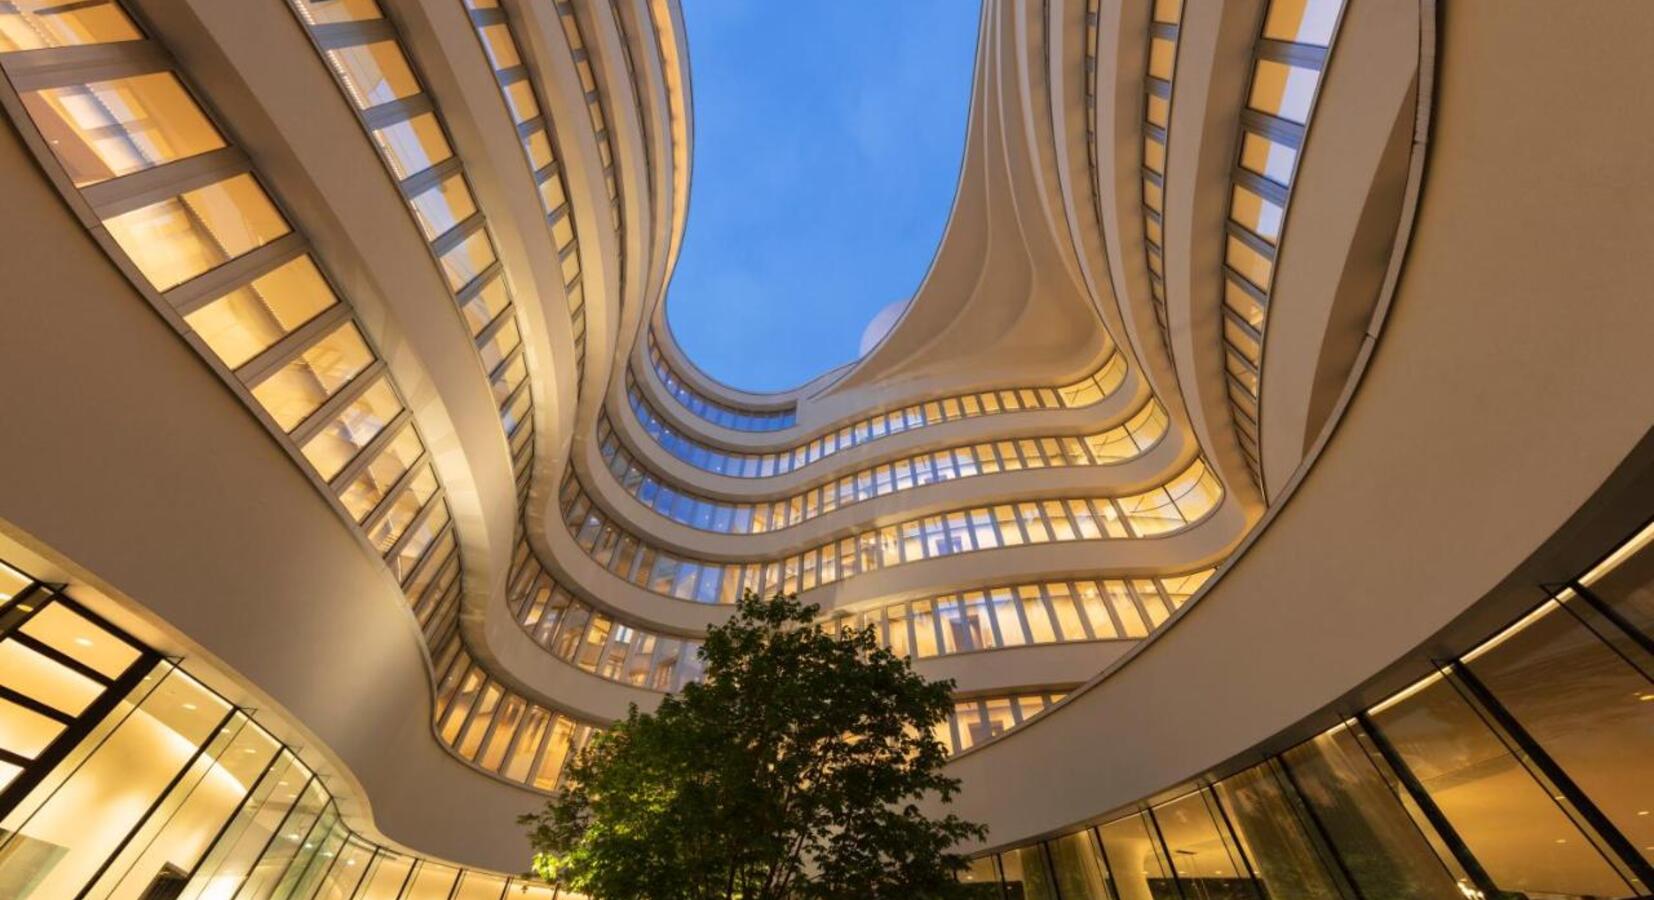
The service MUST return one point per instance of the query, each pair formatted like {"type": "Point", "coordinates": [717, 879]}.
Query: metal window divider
{"type": "Point", "coordinates": [1426, 805]}
{"type": "Point", "coordinates": [146, 187]}
{"type": "Point", "coordinates": [49, 67]}
{"type": "Point", "coordinates": [372, 520]}
{"type": "Point", "coordinates": [1598, 828]}
{"type": "Point", "coordinates": [330, 409]}
{"type": "Point", "coordinates": [371, 451]}
{"type": "Point", "coordinates": [239, 272]}
{"type": "Point", "coordinates": [257, 370]}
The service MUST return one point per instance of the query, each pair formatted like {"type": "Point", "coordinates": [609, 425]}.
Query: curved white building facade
{"type": "Point", "coordinates": [1265, 453]}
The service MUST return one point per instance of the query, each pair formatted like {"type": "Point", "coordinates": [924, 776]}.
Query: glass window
{"type": "Point", "coordinates": [374, 73]}
{"type": "Point", "coordinates": [63, 629]}
{"type": "Point", "coordinates": [1135, 860]}
{"type": "Point", "coordinates": [106, 129]}
{"type": "Point", "coordinates": [1380, 847]}
{"type": "Point", "coordinates": [1257, 267]}
{"type": "Point", "coordinates": [467, 259]}
{"type": "Point", "coordinates": [24, 732]}
{"type": "Point", "coordinates": [1282, 89]}
{"type": "Point", "coordinates": [128, 772]}
{"type": "Point", "coordinates": [176, 834]}
{"type": "Point", "coordinates": [498, 44]}
{"type": "Point", "coordinates": [1276, 839]}
{"type": "Point", "coordinates": [1026, 875]}
{"type": "Point", "coordinates": [1240, 339]}
{"type": "Point", "coordinates": [1201, 850]}
{"type": "Point", "coordinates": [443, 206]}
{"type": "Point", "coordinates": [485, 304]}
{"type": "Point", "coordinates": [1040, 628]}
{"type": "Point", "coordinates": [1267, 157]}
{"type": "Point", "coordinates": [1585, 705]}
{"type": "Point", "coordinates": [1079, 867]}
{"type": "Point", "coordinates": [177, 239]}
{"type": "Point", "coordinates": [1510, 823]}
{"type": "Point", "coordinates": [295, 390]}
{"type": "Point", "coordinates": [45, 680]}
{"type": "Point", "coordinates": [1157, 110]}
{"type": "Point", "coordinates": [1005, 607]}
{"type": "Point", "coordinates": [1302, 21]}
{"type": "Point", "coordinates": [1625, 582]}
{"type": "Point", "coordinates": [322, 12]}
{"type": "Point", "coordinates": [338, 442]}
{"type": "Point", "coordinates": [1256, 213]}
{"type": "Point", "coordinates": [413, 145]}
{"type": "Point", "coordinates": [377, 479]}
{"type": "Point", "coordinates": [37, 24]}
{"type": "Point", "coordinates": [1162, 53]}
{"type": "Point", "coordinates": [251, 318]}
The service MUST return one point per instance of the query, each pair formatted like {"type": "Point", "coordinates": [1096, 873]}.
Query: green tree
{"type": "Point", "coordinates": [790, 771]}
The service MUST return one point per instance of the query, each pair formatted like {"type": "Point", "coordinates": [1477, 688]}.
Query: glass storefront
{"type": "Point", "coordinates": [1516, 771]}
{"type": "Point", "coordinates": [124, 777]}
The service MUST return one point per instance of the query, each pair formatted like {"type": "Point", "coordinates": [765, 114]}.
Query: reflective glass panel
{"type": "Point", "coordinates": [177, 239]}
{"type": "Point", "coordinates": [251, 318]}
{"type": "Point", "coordinates": [37, 24]}
{"type": "Point", "coordinates": [295, 390]}
{"type": "Point", "coordinates": [1510, 823]}
{"type": "Point", "coordinates": [106, 129]}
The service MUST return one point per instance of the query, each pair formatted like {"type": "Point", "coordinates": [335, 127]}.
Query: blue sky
{"type": "Point", "coordinates": [827, 142]}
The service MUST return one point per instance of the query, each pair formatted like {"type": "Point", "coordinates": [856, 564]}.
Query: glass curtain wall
{"type": "Point", "coordinates": [380, 79]}
{"type": "Point", "coordinates": [191, 222]}
{"type": "Point", "coordinates": [123, 776]}
{"type": "Point", "coordinates": [1182, 501]}
{"type": "Point", "coordinates": [715, 411]}
{"type": "Point", "coordinates": [611, 647]}
{"type": "Point", "coordinates": [1518, 770]}
{"type": "Point", "coordinates": [1092, 389]}
{"type": "Point", "coordinates": [1288, 61]}
{"type": "Point", "coordinates": [1139, 434]}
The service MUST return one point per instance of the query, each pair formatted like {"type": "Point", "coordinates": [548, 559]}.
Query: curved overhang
{"type": "Point", "coordinates": [1321, 610]}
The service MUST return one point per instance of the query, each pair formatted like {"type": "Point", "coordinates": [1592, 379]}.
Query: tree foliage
{"type": "Point", "coordinates": [792, 770]}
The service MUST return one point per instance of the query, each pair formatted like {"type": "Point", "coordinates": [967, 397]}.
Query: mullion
{"type": "Point", "coordinates": [214, 283]}
{"type": "Point", "coordinates": [370, 452]}
{"type": "Point", "coordinates": [269, 361]}
{"type": "Point", "coordinates": [145, 187]}
{"type": "Point", "coordinates": [59, 657]}
{"type": "Point", "coordinates": [332, 406]}
{"type": "Point", "coordinates": [374, 516]}
{"type": "Point", "coordinates": [51, 67]}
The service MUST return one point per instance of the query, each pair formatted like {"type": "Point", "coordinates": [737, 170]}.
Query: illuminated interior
{"type": "Point", "coordinates": [1264, 456]}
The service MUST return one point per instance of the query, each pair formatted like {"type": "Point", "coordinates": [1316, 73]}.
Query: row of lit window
{"type": "Point", "coordinates": [712, 410]}
{"type": "Point", "coordinates": [1128, 441]}
{"type": "Point", "coordinates": [1088, 74]}
{"type": "Point", "coordinates": [217, 252]}
{"type": "Point", "coordinates": [591, 640]}
{"type": "Point", "coordinates": [1517, 770]}
{"type": "Point", "coordinates": [1183, 500]}
{"type": "Point", "coordinates": [59, 666]}
{"type": "Point", "coordinates": [594, 104]}
{"type": "Point", "coordinates": [1157, 120]}
{"type": "Point", "coordinates": [1087, 391]}
{"type": "Point", "coordinates": [497, 729]}
{"type": "Point", "coordinates": [617, 10]}
{"type": "Point", "coordinates": [982, 718]}
{"type": "Point", "coordinates": [1289, 59]}
{"type": "Point", "coordinates": [365, 53]}
{"type": "Point", "coordinates": [1019, 615]}
{"type": "Point", "coordinates": [122, 775]}
{"type": "Point", "coordinates": [961, 622]}
{"type": "Point", "coordinates": [540, 148]}
{"type": "Point", "coordinates": [271, 317]}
